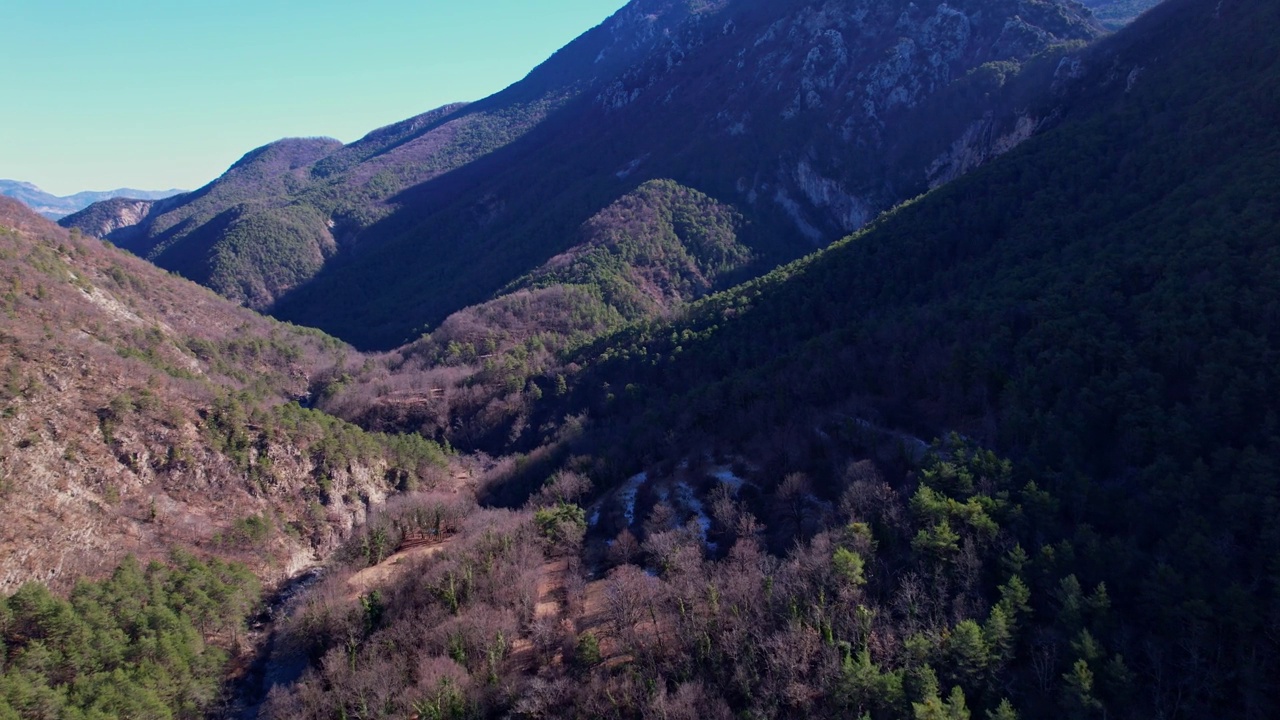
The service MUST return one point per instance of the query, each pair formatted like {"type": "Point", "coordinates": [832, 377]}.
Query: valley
{"type": "Point", "coordinates": [819, 358]}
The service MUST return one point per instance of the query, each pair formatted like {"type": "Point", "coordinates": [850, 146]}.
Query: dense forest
{"type": "Point", "coordinates": [147, 643]}
{"type": "Point", "coordinates": [1099, 304]}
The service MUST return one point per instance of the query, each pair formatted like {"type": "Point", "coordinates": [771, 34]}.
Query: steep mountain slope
{"type": "Point", "coordinates": [808, 117]}
{"type": "Point", "coordinates": [748, 103]}
{"type": "Point", "coordinates": [1149, 128]}
{"type": "Point", "coordinates": [270, 222]}
{"type": "Point", "coordinates": [140, 412]}
{"type": "Point", "coordinates": [468, 381]}
{"type": "Point", "coordinates": [54, 207]}
{"type": "Point", "coordinates": [1101, 304]}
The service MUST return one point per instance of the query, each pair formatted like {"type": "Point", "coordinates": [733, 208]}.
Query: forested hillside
{"type": "Point", "coordinates": [764, 535]}
{"type": "Point", "coordinates": [144, 643]}
{"type": "Point", "coordinates": [1100, 305]}
{"type": "Point", "coordinates": [471, 382]}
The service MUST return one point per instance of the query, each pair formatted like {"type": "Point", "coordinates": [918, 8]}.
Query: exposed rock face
{"type": "Point", "coordinates": [843, 96]}
{"type": "Point", "coordinates": [109, 217]}
{"type": "Point", "coordinates": [983, 140]}
{"type": "Point", "coordinates": [1118, 13]}
{"type": "Point", "coordinates": [124, 498]}
{"type": "Point", "coordinates": [54, 207]}
{"type": "Point", "coordinates": [848, 212]}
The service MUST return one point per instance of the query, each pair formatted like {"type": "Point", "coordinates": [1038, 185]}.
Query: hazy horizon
{"type": "Point", "coordinates": [152, 96]}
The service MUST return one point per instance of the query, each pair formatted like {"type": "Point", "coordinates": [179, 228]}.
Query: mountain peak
{"type": "Point", "coordinates": [287, 154]}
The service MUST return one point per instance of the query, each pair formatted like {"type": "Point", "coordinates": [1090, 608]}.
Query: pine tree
{"type": "Point", "coordinates": [1078, 694]}
{"type": "Point", "coordinates": [1004, 711]}
{"type": "Point", "coordinates": [968, 651]}
{"type": "Point", "coordinates": [934, 708]}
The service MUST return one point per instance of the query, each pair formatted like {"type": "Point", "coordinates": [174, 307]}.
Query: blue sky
{"type": "Point", "coordinates": [153, 95]}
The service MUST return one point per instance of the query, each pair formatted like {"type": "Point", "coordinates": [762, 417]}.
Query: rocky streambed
{"type": "Point", "coordinates": [268, 664]}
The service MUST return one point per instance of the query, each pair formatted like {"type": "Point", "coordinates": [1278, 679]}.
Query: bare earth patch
{"type": "Point", "coordinates": [381, 575]}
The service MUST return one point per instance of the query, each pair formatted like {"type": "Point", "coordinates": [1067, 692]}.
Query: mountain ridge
{"type": "Point", "coordinates": [669, 98]}
{"type": "Point", "coordinates": [740, 509]}
{"type": "Point", "coordinates": [1099, 304]}
{"type": "Point", "coordinates": [55, 208]}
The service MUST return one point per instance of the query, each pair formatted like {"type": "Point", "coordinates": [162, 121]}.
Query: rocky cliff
{"type": "Point", "coordinates": [110, 217]}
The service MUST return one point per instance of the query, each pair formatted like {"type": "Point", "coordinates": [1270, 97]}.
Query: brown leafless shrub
{"type": "Point", "coordinates": [434, 671]}
{"type": "Point", "coordinates": [793, 659]}
{"type": "Point", "coordinates": [624, 550]}
{"type": "Point", "coordinates": [661, 519]}
{"type": "Point", "coordinates": [548, 637]}
{"type": "Point", "coordinates": [869, 499]}
{"type": "Point", "coordinates": [916, 604]}
{"type": "Point", "coordinates": [546, 698]}
{"type": "Point", "coordinates": [307, 699]}
{"type": "Point", "coordinates": [689, 701]}
{"type": "Point", "coordinates": [726, 512]}
{"type": "Point", "coordinates": [322, 617]}
{"type": "Point", "coordinates": [632, 600]}
{"type": "Point", "coordinates": [575, 591]}
{"type": "Point", "coordinates": [622, 695]}
{"type": "Point", "coordinates": [565, 486]}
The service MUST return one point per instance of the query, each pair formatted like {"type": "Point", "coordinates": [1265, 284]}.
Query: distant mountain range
{"type": "Point", "coordinates": [55, 208]}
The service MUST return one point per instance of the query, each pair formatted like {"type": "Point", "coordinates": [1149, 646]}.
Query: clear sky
{"type": "Point", "coordinates": [100, 94]}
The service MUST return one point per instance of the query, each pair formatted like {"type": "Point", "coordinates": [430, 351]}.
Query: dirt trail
{"type": "Point", "coordinates": [552, 579]}
{"type": "Point", "coordinates": [380, 575]}
{"type": "Point", "coordinates": [548, 607]}
{"type": "Point", "coordinates": [591, 616]}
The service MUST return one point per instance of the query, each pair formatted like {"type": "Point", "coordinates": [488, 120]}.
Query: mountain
{"type": "Point", "coordinates": [142, 413]}
{"type": "Point", "coordinates": [468, 381]}
{"type": "Point", "coordinates": [809, 118]}
{"type": "Point", "coordinates": [54, 207]}
{"type": "Point", "coordinates": [1100, 306]}
{"type": "Point", "coordinates": [1087, 323]}
{"type": "Point", "coordinates": [1008, 450]}
{"type": "Point", "coordinates": [1118, 225]}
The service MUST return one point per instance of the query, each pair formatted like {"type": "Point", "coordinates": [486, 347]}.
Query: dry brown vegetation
{"type": "Point", "coordinates": [135, 416]}
{"type": "Point", "coordinates": [506, 617]}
